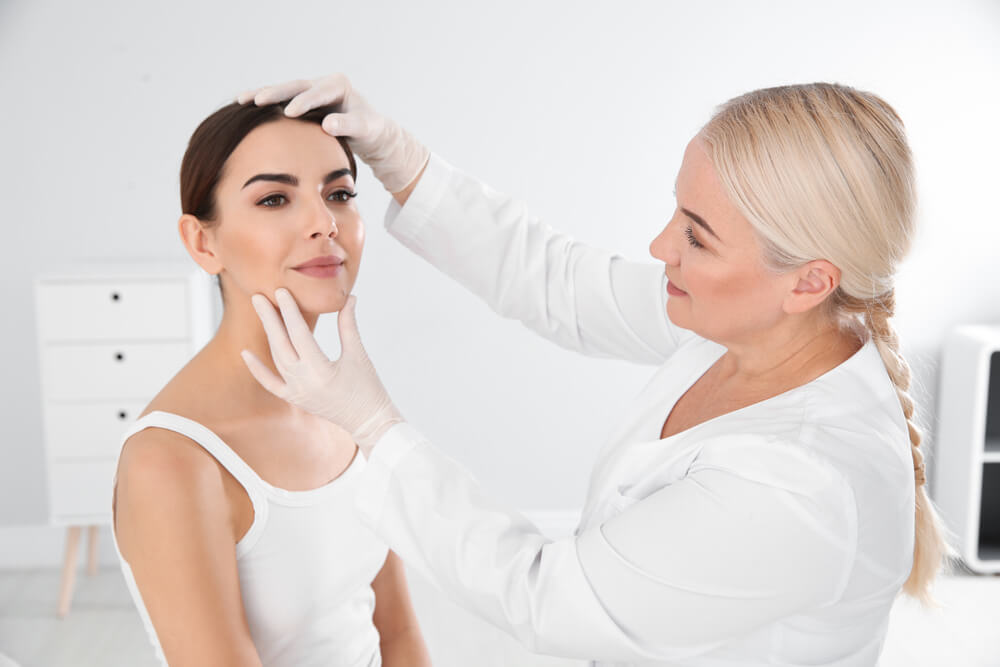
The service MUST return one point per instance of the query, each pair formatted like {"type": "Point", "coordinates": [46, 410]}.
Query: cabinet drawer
{"type": "Point", "coordinates": [81, 488]}
{"type": "Point", "coordinates": [118, 310]}
{"type": "Point", "coordinates": [87, 430]}
{"type": "Point", "coordinates": [97, 372]}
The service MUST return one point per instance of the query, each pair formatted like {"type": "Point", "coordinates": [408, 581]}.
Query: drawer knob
{"type": "Point", "coordinates": [115, 296]}
{"type": "Point", "coordinates": [119, 356]}
{"type": "Point", "coordinates": [122, 415]}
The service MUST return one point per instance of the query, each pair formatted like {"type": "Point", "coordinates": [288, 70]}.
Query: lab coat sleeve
{"type": "Point", "coordinates": [756, 531]}
{"type": "Point", "coordinates": [582, 298]}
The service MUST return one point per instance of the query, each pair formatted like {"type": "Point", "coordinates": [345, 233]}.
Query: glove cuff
{"type": "Point", "coordinates": [400, 159]}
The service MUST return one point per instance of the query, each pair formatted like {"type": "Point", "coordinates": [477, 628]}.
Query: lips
{"type": "Point", "coordinates": [673, 289]}
{"type": "Point", "coordinates": [325, 260]}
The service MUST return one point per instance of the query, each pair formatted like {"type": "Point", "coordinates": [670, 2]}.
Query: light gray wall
{"type": "Point", "coordinates": [580, 108]}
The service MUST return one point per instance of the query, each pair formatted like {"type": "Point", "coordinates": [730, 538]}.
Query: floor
{"type": "Point", "coordinates": [103, 629]}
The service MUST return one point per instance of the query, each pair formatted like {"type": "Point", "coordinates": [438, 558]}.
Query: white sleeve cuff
{"type": "Point", "coordinates": [399, 441]}
{"type": "Point", "coordinates": [405, 222]}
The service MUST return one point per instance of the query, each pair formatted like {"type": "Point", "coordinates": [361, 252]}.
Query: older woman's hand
{"type": "Point", "coordinates": [396, 158]}
{"type": "Point", "coordinates": [347, 391]}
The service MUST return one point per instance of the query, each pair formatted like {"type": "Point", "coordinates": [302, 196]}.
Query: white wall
{"type": "Point", "coordinates": [580, 108]}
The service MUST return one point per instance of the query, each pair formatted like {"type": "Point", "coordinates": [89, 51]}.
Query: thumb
{"type": "Point", "coordinates": [347, 327]}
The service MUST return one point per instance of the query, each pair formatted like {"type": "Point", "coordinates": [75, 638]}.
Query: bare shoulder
{"type": "Point", "coordinates": [156, 453]}
{"type": "Point", "coordinates": [166, 482]}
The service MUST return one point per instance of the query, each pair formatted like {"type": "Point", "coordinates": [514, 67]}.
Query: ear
{"type": "Point", "coordinates": [814, 282]}
{"type": "Point", "coordinates": [200, 243]}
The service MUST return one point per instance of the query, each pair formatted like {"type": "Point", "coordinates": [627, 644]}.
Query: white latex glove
{"type": "Point", "coordinates": [347, 391]}
{"type": "Point", "coordinates": [394, 155]}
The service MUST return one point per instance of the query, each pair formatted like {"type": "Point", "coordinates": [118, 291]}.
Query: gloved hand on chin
{"type": "Point", "coordinates": [346, 391]}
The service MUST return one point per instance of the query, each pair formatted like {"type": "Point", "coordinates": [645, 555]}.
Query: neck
{"type": "Point", "coordinates": [791, 350]}
{"type": "Point", "coordinates": [239, 330]}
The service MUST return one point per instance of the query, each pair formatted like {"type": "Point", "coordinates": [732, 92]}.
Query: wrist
{"type": "Point", "coordinates": [398, 160]}
{"type": "Point", "coordinates": [367, 439]}
{"type": "Point", "coordinates": [404, 194]}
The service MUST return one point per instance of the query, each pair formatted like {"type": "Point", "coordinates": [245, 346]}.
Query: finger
{"type": "Point", "coordinates": [263, 374]}
{"type": "Point", "coordinates": [277, 338]}
{"type": "Point", "coordinates": [247, 95]}
{"type": "Point", "coordinates": [330, 90]}
{"type": "Point", "coordinates": [345, 125]}
{"type": "Point", "coordinates": [347, 327]}
{"type": "Point", "coordinates": [298, 329]}
{"type": "Point", "coordinates": [281, 92]}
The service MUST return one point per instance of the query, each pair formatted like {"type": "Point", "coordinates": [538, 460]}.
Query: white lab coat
{"type": "Point", "coordinates": [778, 534]}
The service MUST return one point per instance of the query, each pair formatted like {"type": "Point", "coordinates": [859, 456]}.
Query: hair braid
{"type": "Point", "coordinates": [824, 170]}
{"type": "Point", "coordinates": [929, 550]}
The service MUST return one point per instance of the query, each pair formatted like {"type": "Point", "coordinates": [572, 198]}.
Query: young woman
{"type": "Point", "coordinates": [234, 512]}
{"type": "Point", "coordinates": [762, 502]}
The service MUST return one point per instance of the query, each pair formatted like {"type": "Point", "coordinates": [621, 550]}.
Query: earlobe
{"type": "Point", "coordinates": [199, 244]}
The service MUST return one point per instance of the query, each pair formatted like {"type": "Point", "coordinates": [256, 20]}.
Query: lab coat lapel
{"type": "Point", "coordinates": [636, 445]}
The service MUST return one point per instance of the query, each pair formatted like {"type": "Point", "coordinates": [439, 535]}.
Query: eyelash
{"type": "Point", "coordinates": [347, 193]}
{"type": "Point", "coordinates": [691, 239]}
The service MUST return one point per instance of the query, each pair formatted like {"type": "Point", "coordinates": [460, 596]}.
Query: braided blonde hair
{"type": "Point", "coordinates": [823, 171]}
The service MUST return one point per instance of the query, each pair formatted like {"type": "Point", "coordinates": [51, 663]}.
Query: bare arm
{"type": "Point", "coordinates": [173, 526]}
{"type": "Point", "coordinates": [401, 642]}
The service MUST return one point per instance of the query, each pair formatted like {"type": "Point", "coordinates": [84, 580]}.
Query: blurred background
{"type": "Point", "coordinates": [580, 109]}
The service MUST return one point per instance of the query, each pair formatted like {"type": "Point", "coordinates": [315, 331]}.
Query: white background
{"type": "Point", "coordinates": [582, 109]}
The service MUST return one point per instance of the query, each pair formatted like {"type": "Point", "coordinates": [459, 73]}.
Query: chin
{"type": "Point", "coordinates": [676, 316]}
{"type": "Point", "coordinates": [328, 299]}
{"type": "Point", "coordinates": [324, 303]}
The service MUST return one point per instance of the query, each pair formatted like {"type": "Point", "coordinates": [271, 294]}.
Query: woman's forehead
{"type": "Point", "coordinates": [287, 146]}
{"type": "Point", "coordinates": [697, 173]}
{"type": "Point", "coordinates": [700, 190]}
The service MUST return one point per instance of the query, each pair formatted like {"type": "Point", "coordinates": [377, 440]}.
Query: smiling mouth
{"type": "Point", "coordinates": [321, 271]}
{"type": "Point", "coordinates": [673, 289]}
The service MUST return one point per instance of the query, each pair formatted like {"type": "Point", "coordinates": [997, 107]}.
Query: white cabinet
{"type": "Point", "coordinates": [966, 484]}
{"type": "Point", "coordinates": [110, 336]}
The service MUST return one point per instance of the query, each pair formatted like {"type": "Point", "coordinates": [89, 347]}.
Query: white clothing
{"type": "Point", "coordinates": [777, 534]}
{"type": "Point", "coordinates": [305, 565]}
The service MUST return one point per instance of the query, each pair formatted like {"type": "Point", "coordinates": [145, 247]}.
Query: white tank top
{"type": "Point", "coordinates": [305, 565]}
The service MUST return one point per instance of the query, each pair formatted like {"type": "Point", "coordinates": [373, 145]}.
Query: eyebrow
{"type": "Point", "coordinates": [288, 179]}
{"type": "Point", "coordinates": [698, 219]}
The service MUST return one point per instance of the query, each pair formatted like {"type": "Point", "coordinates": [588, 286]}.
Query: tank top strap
{"type": "Point", "coordinates": [209, 441]}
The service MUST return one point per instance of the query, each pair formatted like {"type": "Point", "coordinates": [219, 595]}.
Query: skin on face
{"type": "Point", "coordinates": [731, 297]}
{"type": "Point", "coordinates": [267, 225]}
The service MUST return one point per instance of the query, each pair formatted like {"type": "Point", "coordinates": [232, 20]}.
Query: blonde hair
{"type": "Point", "coordinates": [823, 171]}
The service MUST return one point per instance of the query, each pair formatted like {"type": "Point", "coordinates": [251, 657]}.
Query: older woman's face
{"type": "Point", "coordinates": [283, 200]}
{"type": "Point", "coordinates": [713, 258]}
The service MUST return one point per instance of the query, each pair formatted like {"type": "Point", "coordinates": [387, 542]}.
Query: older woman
{"type": "Point", "coordinates": [762, 502]}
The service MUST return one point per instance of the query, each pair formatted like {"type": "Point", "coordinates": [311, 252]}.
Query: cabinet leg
{"type": "Point", "coordinates": [69, 569]}
{"type": "Point", "coordinates": [92, 550]}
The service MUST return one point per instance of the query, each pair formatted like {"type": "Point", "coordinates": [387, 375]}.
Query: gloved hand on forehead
{"type": "Point", "coordinates": [346, 391]}
{"type": "Point", "coordinates": [395, 156]}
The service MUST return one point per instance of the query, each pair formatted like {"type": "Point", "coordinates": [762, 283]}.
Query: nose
{"type": "Point", "coordinates": [664, 247]}
{"type": "Point", "coordinates": [322, 221]}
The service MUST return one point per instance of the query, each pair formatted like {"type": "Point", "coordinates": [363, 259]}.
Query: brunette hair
{"type": "Point", "coordinates": [217, 137]}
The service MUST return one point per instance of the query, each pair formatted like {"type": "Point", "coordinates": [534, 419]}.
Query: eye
{"type": "Point", "coordinates": [272, 201]}
{"type": "Point", "coordinates": [341, 196]}
{"type": "Point", "coordinates": [691, 239]}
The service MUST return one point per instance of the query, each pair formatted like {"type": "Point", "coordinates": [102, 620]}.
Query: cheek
{"type": "Point", "coordinates": [351, 236]}
{"type": "Point", "coordinates": [256, 250]}
{"type": "Point", "coordinates": [716, 283]}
